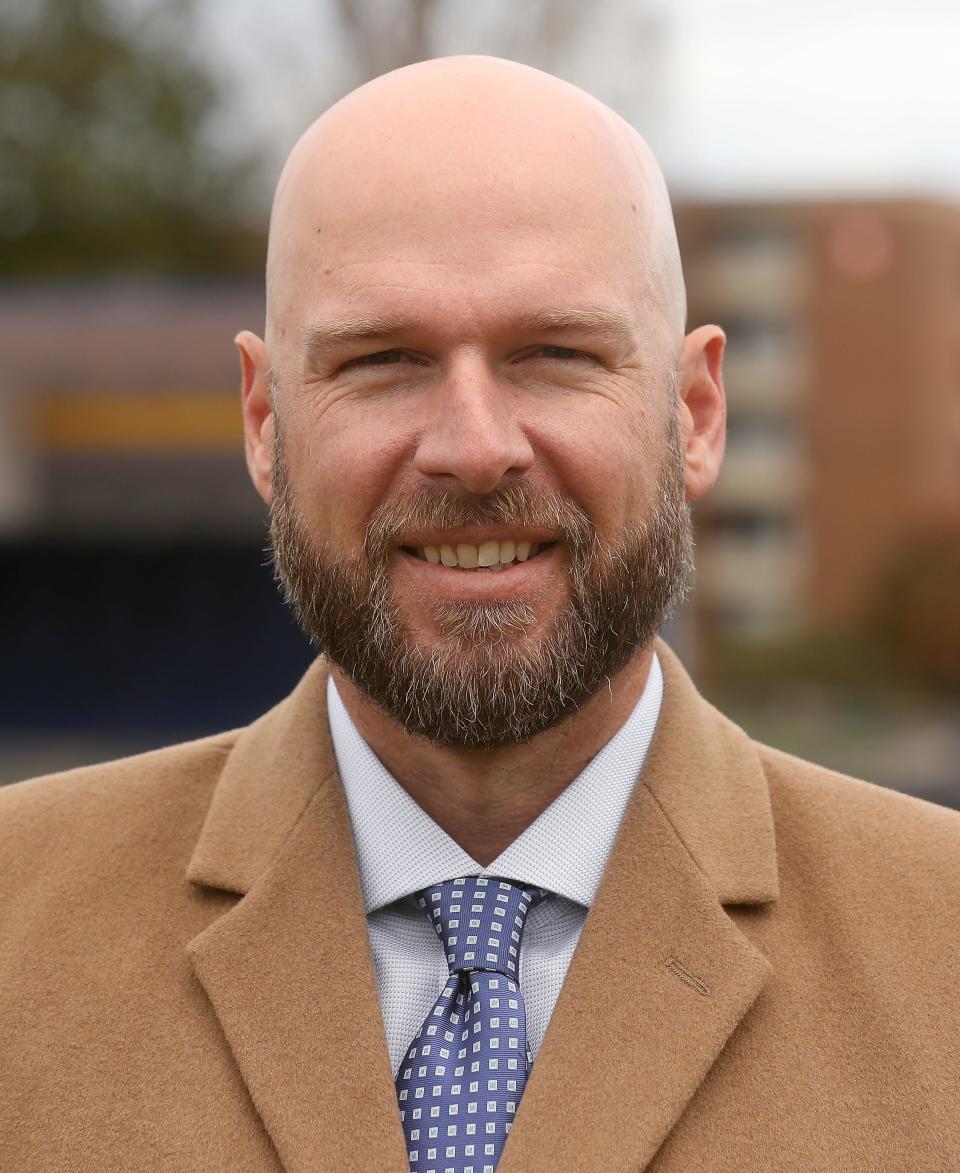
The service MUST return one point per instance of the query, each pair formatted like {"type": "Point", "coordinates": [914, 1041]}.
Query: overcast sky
{"type": "Point", "coordinates": [752, 97]}
{"type": "Point", "coordinates": [770, 96]}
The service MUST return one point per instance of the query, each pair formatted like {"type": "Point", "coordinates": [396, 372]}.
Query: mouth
{"type": "Point", "coordinates": [491, 556]}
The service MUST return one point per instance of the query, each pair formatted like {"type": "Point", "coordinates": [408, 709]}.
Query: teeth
{"type": "Point", "coordinates": [487, 555]}
{"type": "Point", "coordinates": [467, 556]}
{"type": "Point", "coordinates": [490, 555]}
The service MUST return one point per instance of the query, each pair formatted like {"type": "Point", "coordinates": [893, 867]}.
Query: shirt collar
{"type": "Point", "coordinates": [401, 850]}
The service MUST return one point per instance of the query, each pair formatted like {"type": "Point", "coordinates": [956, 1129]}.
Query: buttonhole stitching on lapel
{"type": "Point", "coordinates": [686, 976]}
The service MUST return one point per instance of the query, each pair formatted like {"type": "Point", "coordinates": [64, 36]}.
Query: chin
{"type": "Point", "coordinates": [476, 627]}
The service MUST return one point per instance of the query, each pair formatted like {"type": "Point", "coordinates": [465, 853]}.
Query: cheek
{"type": "Point", "coordinates": [597, 461]}
{"type": "Point", "coordinates": [345, 465]}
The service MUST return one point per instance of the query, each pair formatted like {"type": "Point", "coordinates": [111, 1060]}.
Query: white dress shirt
{"type": "Point", "coordinates": [401, 850]}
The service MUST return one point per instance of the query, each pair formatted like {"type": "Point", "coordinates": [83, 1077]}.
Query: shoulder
{"type": "Point", "coordinates": [868, 837]}
{"type": "Point", "coordinates": [102, 810]}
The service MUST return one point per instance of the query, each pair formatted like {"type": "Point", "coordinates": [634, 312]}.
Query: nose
{"type": "Point", "coordinates": [473, 434]}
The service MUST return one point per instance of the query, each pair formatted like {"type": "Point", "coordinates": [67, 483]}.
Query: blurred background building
{"type": "Point", "coordinates": [139, 144]}
{"type": "Point", "coordinates": [843, 382]}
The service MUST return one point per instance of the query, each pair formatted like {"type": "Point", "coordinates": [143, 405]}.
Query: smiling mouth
{"type": "Point", "coordinates": [489, 556]}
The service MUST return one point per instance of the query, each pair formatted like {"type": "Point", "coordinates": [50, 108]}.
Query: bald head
{"type": "Point", "coordinates": [444, 162]}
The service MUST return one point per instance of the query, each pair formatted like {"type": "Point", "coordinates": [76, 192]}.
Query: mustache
{"type": "Point", "coordinates": [518, 504]}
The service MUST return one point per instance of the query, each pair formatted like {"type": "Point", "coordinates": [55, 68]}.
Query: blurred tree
{"type": "Point", "coordinates": [539, 32]}
{"type": "Point", "coordinates": [112, 158]}
{"type": "Point", "coordinates": [105, 165]}
{"type": "Point", "coordinates": [315, 51]}
{"type": "Point", "coordinates": [916, 615]}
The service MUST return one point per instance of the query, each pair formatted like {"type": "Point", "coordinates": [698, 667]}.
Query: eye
{"type": "Point", "coordinates": [563, 353]}
{"type": "Point", "coordinates": [381, 358]}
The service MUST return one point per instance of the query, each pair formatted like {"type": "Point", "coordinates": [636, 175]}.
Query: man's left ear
{"type": "Point", "coordinates": [702, 408]}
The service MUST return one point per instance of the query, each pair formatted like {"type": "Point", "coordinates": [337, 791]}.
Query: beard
{"type": "Point", "coordinates": [492, 679]}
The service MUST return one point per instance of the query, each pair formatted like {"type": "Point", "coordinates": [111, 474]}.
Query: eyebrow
{"type": "Point", "coordinates": [588, 320]}
{"type": "Point", "coordinates": [336, 331]}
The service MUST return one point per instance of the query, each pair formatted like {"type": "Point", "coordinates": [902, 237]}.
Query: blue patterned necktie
{"type": "Point", "coordinates": [461, 1081]}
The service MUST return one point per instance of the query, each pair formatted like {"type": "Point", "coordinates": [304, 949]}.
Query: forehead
{"type": "Point", "coordinates": [476, 268]}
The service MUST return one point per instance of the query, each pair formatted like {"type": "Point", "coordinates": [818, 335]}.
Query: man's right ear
{"type": "Point", "coordinates": [258, 422]}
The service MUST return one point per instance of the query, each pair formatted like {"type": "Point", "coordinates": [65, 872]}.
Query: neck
{"type": "Point", "coordinates": [485, 798]}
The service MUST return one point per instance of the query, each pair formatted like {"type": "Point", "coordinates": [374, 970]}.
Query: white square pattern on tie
{"type": "Point", "coordinates": [465, 1071]}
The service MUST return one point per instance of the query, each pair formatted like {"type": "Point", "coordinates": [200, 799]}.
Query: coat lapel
{"type": "Point", "coordinates": [288, 970]}
{"type": "Point", "coordinates": [661, 976]}
{"type": "Point", "coordinates": [660, 980]}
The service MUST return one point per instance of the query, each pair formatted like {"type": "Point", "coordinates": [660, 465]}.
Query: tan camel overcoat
{"type": "Point", "coordinates": [768, 979]}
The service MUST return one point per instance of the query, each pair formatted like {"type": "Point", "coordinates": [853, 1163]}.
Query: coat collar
{"type": "Point", "coordinates": [278, 765]}
{"type": "Point", "coordinates": [706, 776]}
{"type": "Point", "coordinates": [702, 769]}
{"type": "Point", "coordinates": [659, 981]}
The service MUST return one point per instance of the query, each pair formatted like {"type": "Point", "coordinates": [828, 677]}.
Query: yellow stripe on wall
{"type": "Point", "coordinates": [148, 421]}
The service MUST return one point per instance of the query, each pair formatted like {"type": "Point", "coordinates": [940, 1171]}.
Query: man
{"type": "Point", "coordinates": [478, 424]}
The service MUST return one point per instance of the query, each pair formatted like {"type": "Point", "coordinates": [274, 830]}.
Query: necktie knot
{"type": "Point", "coordinates": [480, 922]}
